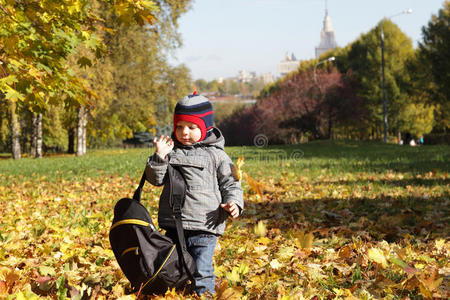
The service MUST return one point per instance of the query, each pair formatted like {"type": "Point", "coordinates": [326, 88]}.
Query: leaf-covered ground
{"type": "Point", "coordinates": [347, 221]}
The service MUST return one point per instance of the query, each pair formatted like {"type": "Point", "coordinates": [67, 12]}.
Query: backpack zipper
{"type": "Point", "coordinates": [162, 265]}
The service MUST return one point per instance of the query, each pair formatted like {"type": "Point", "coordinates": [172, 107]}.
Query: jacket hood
{"type": "Point", "coordinates": [215, 139]}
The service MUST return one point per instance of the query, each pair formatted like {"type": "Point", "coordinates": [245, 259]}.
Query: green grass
{"type": "Point", "coordinates": [338, 157]}
{"type": "Point", "coordinates": [314, 159]}
{"type": "Point", "coordinates": [95, 164]}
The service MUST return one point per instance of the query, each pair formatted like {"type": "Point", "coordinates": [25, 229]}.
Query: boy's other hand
{"type": "Point", "coordinates": [163, 145]}
{"type": "Point", "coordinates": [231, 208]}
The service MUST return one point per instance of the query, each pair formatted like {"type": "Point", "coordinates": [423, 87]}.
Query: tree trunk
{"type": "Point", "coordinates": [39, 136]}
{"type": "Point", "coordinates": [81, 131]}
{"type": "Point", "coordinates": [15, 133]}
{"type": "Point", "coordinates": [71, 136]}
{"type": "Point", "coordinates": [85, 116]}
{"type": "Point", "coordinates": [36, 135]}
{"type": "Point", "coordinates": [33, 134]}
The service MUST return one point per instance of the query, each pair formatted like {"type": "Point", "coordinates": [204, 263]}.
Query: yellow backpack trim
{"type": "Point", "coordinates": [129, 250]}
{"type": "Point", "coordinates": [130, 221]}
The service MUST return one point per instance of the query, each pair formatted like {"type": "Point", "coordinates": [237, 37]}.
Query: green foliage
{"type": "Point", "coordinates": [115, 68]}
{"type": "Point", "coordinates": [230, 87]}
{"type": "Point", "coordinates": [54, 132]}
{"type": "Point", "coordinates": [223, 110]}
{"type": "Point", "coordinates": [4, 126]}
{"type": "Point", "coordinates": [201, 84]}
{"type": "Point", "coordinates": [409, 82]}
{"type": "Point", "coordinates": [434, 56]}
{"type": "Point", "coordinates": [436, 50]}
{"type": "Point", "coordinates": [417, 119]}
{"type": "Point", "coordinates": [135, 85]}
{"type": "Point", "coordinates": [364, 59]}
{"type": "Point", "coordinates": [38, 36]}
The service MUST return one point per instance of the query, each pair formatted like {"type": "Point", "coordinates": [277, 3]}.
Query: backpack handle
{"type": "Point", "coordinates": [138, 192]}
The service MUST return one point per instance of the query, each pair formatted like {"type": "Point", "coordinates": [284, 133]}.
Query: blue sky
{"type": "Point", "coordinates": [221, 37]}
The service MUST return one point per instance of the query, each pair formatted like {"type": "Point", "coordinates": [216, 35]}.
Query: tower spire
{"type": "Point", "coordinates": [327, 40]}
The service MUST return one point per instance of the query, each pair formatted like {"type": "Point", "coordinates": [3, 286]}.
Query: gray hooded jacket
{"type": "Point", "coordinates": [210, 181]}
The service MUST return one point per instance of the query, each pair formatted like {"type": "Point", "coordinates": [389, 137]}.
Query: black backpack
{"type": "Point", "coordinates": [152, 262]}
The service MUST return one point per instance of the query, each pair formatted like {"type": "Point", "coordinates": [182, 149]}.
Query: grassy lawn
{"type": "Point", "coordinates": [334, 220]}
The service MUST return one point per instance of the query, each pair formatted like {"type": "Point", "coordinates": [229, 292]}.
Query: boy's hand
{"type": "Point", "coordinates": [232, 208]}
{"type": "Point", "coordinates": [163, 145]}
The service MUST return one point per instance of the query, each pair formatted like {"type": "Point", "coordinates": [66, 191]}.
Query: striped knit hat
{"type": "Point", "coordinates": [195, 109]}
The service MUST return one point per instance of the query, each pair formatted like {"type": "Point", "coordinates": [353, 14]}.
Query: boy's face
{"type": "Point", "coordinates": [187, 133]}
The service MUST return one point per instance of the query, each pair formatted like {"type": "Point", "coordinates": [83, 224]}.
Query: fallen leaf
{"type": "Point", "coordinates": [237, 171]}
{"type": "Point", "coordinates": [275, 264]}
{"type": "Point", "coordinates": [260, 229]}
{"type": "Point", "coordinates": [3, 287]}
{"type": "Point", "coordinates": [256, 186]}
{"type": "Point", "coordinates": [377, 256]}
{"type": "Point", "coordinates": [305, 240]}
{"type": "Point", "coordinates": [224, 292]}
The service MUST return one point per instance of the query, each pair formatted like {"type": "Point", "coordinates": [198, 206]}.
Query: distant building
{"type": "Point", "coordinates": [327, 40]}
{"type": "Point", "coordinates": [289, 64]}
{"type": "Point", "coordinates": [243, 76]}
{"type": "Point", "coordinates": [267, 78]}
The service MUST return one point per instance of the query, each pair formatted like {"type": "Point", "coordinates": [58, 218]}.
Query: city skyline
{"type": "Point", "coordinates": [220, 38]}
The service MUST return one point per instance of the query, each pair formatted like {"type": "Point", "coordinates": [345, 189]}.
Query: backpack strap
{"type": "Point", "coordinates": [177, 197]}
{"type": "Point", "coordinates": [138, 192]}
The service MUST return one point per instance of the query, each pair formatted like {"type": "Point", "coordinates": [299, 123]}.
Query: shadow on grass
{"type": "Point", "coordinates": [415, 166]}
{"type": "Point", "coordinates": [387, 218]}
{"type": "Point", "coordinates": [425, 182]}
{"type": "Point", "coordinates": [352, 156]}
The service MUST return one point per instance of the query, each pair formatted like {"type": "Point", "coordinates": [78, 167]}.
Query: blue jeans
{"type": "Point", "coordinates": [201, 246]}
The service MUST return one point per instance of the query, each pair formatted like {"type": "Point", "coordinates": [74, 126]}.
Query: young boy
{"type": "Point", "coordinates": [212, 189]}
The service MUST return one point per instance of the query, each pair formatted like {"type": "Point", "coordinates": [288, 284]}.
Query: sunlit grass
{"type": "Point", "coordinates": [308, 159]}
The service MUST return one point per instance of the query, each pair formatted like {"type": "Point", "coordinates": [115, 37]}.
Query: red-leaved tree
{"type": "Point", "coordinates": [302, 106]}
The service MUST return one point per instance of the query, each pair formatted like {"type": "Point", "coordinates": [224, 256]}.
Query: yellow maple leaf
{"type": "Point", "coordinates": [377, 256]}
{"type": "Point", "coordinates": [20, 296]}
{"type": "Point", "coordinates": [238, 166]}
{"type": "Point", "coordinates": [258, 281]}
{"type": "Point", "coordinates": [233, 276]}
{"type": "Point", "coordinates": [275, 264]}
{"type": "Point", "coordinates": [439, 244]}
{"type": "Point", "coordinates": [285, 253]}
{"type": "Point", "coordinates": [305, 241]}
{"type": "Point", "coordinates": [260, 229]}
{"type": "Point", "coordinates": [264, 240]}
{"type": "Point", "coordinates": [223, 291]}
{"type": "Point", "coordinates": [429, 283]}
{"type": "Point", "coordinates": [256, 186]}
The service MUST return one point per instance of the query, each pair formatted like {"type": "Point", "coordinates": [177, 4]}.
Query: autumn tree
{"type": "Point", "coordinates": [135, 85]}
{"type": "Point", "coordinates": [434, 61]}
{"type": "Point", "coordinates": [301, 107]}
{"type": "Point", "coordinates": [344, 101]}
{"type": "Point", "coordinates": [36, 37]}
{"type": "Point", "coordinates": [363, 59]}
